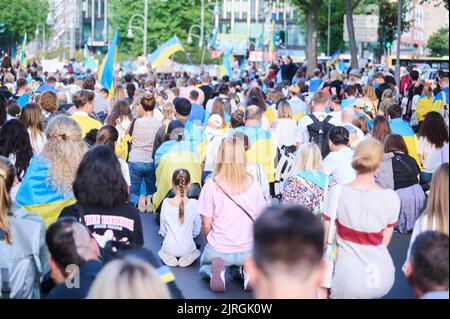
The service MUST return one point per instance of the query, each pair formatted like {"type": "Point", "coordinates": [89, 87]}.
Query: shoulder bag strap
{"type": "Point", "coordinates": [6, 288]}
{"type": "Point", "coordinates": [227, 195]}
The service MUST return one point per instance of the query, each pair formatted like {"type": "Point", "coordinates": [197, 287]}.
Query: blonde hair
{"type": "Point", "coordinates": [231, 164]}
{"type": "Point", "coordinates": [368, 156]}
{"type": "Point", "coordinates": [130, 278]}
{"type": "Point", "coordinates": [119, 94]}
{"type": "Point", "coordinates": [387, 94]}
{"type": "Point", "coordinates": [335, 76]}
{"type": "Point", "coordinates": [284, 110]}
{"type": "Point", "coordinates": [308, 158]}
{"type": "Point", "coordinates": [64, 152]}
{"type": "Point", "coordinates": [369, 92]}
{"type": "Point", "coordinates": [7, 176]}
{"type": "Point", "coordinates": [168, 111]}
{"type": "Point", "coordinates": [437, 207]}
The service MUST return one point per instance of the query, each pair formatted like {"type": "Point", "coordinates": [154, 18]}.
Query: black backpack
{"type": "Point", "coordinates": [318, 133]}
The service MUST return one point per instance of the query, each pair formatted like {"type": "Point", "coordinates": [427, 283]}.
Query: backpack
{"type": "Point", "coordinates": [286, 159]}
{"type": "Point", "coordinates": [227, 103]}
{"type": "Point", "coordinates": [19, 262]}
{"type": "Point", "coordinates": [318, 133]}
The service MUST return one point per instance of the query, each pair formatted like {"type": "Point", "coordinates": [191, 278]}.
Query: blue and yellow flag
{"type": "Point", "coordinates": [213, 42]}
{"type": "Point", "coordinates": [272, 36]}
{"type": "Point", "coordinates": [334, 58]}
{"type": "Point", "coordinates": [262, 149]}
{"type": "Point", "coordinates": [169, 157]}
{"type": "Point", "coordinates": [401, 127]}
{"type": "Point", "coordinates": [23, 52]}
{"type": "Point", "coordinates": [441, 100]}
{"type": "Point", "coordinates": [36, 195]}
{"type": "Point", "coordinates": [226, 67]}
{"type": "Point", "coordinates": [259, 43]}
{"type": "Point", "coordinates": [106, 73]}
{"type": "Point", "coordinates": [164, 52]}
{"type": "Point", "coordinates": [425, 105]}
{"type": "Point", "coordinates": [87, 54]}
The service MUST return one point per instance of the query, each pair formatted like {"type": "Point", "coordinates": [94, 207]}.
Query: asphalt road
{"type": "Point", "coordinates": [194, 286]}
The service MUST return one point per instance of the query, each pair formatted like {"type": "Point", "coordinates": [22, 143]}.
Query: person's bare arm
{"type": "Point", "coordinates": [388, 235]}
{"type": "Point", "coordinates": [206, 225]}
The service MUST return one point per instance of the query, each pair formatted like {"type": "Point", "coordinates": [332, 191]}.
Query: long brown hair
{"type": "Point", "coordinates": [7, 175]}
{"type": "Point", "coordinates": [381, 129]}
{"type": "Point", "coordinates": [219, 109]}
{"type": "Point", "coordinates": [180, 179]}
{"type": "Point", "coordinates": [31, 117]}
{"type": "Point", "coordinates": [437, 207]}
{"type": "Point", "coordinates": [121, 110]}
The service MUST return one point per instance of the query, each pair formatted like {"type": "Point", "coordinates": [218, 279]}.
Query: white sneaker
{"type": "Point", "coordinates": [187, 260]}
{"type": "Point", "coordinates": [246, 278]}
{"type": "Point", "coordinates": [168, 259]}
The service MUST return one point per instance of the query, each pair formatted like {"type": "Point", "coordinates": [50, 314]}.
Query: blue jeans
{"type": "Point", "coordinates": [232, 260]}
{"type": "Point", "coordinates": [141, 173]}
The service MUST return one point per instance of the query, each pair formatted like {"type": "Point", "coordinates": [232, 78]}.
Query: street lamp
{"type": "Point", "coordinates": [215, 11]}
{"type": "Point", "coordinates": [143, 30]}
{"type": "Point", "coordinates": [43, 34]}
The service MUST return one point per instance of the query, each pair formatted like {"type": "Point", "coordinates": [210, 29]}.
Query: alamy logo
{"type": "Point", "coordinates": [73, 277]}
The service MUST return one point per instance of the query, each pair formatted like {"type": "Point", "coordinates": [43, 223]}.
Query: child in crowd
{"type": "Point", "coordinates": [180, 224]}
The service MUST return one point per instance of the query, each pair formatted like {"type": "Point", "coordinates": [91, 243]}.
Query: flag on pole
{"type": "Point", "coordinates": [334, 58]}
{"type": "Point", "coordinates": [23, 53]}
{"type": "Point", "coordinates": [106, 73]}
{"type": "Point", "coordinates": [164, 52]}
{"type": "Point", "coordinates": [272, 36]}
{"type": "Point", "coordinates": [86, 51]}
{"type": "Point", "coordinates": [226, 68]}
{"type": "Point", "coordinates": [259, 43]}
{"type": "Point", "coordinates": [214, 38]}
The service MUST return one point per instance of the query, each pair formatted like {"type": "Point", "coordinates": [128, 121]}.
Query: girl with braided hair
{"type": "Point", "coordinates": [180, 224]}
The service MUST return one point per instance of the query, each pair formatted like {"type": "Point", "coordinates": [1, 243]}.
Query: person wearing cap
{"type": "Point", "coordinates": [298, 106]}
{"type": "Point", "coordinates": [354, 77]}
{"type": "Point", "coordinates": [215, 136]}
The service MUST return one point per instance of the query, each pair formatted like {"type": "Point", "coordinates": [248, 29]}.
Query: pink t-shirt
{"type": "Point", "coordinates": [232, 229]}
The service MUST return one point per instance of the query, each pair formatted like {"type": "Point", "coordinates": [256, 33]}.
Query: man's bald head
{"type": "Point", "coordinates": [348, 114]}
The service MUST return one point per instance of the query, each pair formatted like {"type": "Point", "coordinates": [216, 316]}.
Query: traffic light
{"type": "Point", "coordinates": [389, 38]}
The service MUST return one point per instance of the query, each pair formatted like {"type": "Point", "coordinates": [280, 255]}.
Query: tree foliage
{"type": "Point", "coordinates": [166, 19]}
{"type": "Point", "coordinates": [20, 17]}
{"type": "Point", "coordinates": [438, 43]}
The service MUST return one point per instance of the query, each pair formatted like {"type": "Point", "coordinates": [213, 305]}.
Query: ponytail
{"type": "Point", "coordinates": [7, 174]}
{"type": "Point", "coordinates": [180, 179]}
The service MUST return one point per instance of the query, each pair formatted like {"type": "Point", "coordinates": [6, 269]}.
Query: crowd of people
{"type": "Point", "coordinates": [296, 178]}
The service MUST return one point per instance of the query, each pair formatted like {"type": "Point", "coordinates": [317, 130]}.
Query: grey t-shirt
{"type": "Point", "coordinates": [143, 138]}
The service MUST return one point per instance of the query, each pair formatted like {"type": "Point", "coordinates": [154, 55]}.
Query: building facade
{"type": "Point", "coordinates": [254, 17]}
{"type": "Point", "coordinates": [94, 21]}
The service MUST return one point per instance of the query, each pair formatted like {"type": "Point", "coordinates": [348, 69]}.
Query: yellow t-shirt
{"type": "Point", "coordinates": [86, 122]}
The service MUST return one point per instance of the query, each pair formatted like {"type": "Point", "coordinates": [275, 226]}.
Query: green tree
{"type": "Point", "coordinates": [20, 17]}
{"type": "Point", "coordinates": [166, 19]}
{"type": "Point", "coordinates": [438, 43]}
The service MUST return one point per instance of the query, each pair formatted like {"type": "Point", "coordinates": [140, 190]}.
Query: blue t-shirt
{"type": "Point", "coordinates": [197, 115]}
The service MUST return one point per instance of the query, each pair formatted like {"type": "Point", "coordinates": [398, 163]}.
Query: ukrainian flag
{"type": "Point", "coordinates": [272, 36]}
{"type": "Point", "coordinates": [400, 127]}
{"type": "Point", "coordinates": [169, 157]}
{"type": "Point", "coordinates": [195, 134]}
{"type": "Point", "coordinates": [441, 100]}
{"type": "Point", "coordinates": [259, 44]}
{"type": "Point", "coordinates": [334, 58]}
{"type": "Point", "coordinates": [86, 52]}
{"type": "Point", "coordinates": [262, 149]}
{"type": "Point", "coordinates": [23, 53]}
{"type": "Point", "coordinates": [106, 73]}
{"type": "Point", "coordinates": [425, 105]}
{"type": "Point", "coordinates": [165, 274]}
{"type": "Point", "coordinates": [164, 52]}
{"type": "Point", "coordinates": [226, 68]}
{"type": "Point", "coordinates": [213, 42]}
{"type": "Point", "coordinates": [36, 196]}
